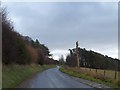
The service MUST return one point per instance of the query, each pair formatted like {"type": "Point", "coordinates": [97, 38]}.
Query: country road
{"type": "Point", "coordinates": [52, 78]}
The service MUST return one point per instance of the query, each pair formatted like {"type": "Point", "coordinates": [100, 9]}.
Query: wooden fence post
{"type": "Point", "coordinates": [96, 70]}
{"type": "Point", "coordinates": [90, 69]}
{"type": "Point", "coordinates": [104, 72]}
{"type": "Point", "coordinates": [115, 74]}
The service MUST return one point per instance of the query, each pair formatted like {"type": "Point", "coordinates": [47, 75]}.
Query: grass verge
{"type": "Point", "coordinates": [13, 75]}
{"type": "Point", "coordinates": [87, 77]}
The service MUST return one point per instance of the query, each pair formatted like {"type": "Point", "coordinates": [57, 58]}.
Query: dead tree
{"type": "Point", "coordinates": [78, 56]}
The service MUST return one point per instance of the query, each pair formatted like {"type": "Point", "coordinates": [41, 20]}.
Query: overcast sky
{"type": "Point", "coordinates": [60, 25]}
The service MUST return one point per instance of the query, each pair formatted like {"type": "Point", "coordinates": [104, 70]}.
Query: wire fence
{"type": "Point", "coordinates": [106, 73]}
{"type": "Point", "coordinates": [99, 73]}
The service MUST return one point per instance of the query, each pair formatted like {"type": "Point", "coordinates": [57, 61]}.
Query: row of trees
{"type": "Point", "coordinates": [21, 49]}
{"type": "Point", "coordinates": [92, 59]}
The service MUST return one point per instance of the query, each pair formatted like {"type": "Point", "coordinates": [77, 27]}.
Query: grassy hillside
{"type": "Point", "coordinates": [13, 75]}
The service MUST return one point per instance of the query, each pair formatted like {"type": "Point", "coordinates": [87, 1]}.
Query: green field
{"type": "Point", "coordinates": [86, 73]}
{"type": "Point", "coordinates": [13, 75]}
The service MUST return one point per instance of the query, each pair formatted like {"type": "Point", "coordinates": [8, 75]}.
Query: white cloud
{"type": "Point", "coordinates": [57, 53]}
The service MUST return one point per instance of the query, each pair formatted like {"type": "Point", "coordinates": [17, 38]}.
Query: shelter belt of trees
{"type": "Point", "coordinates": [20, 49]}
{"type": "Point", "coordinates": [92, 59]}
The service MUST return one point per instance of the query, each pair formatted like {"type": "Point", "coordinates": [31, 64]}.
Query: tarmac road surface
{"type": "Point", "coordinates": [53, 78]}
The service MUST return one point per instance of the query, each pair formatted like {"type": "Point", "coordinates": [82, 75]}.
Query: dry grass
{"type": "Point", "coordinates": [96, 75]}
{"type": "Point", "coordinates": [109, 74]}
